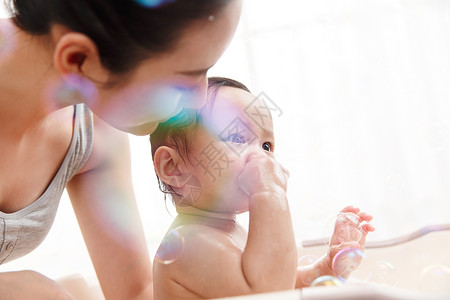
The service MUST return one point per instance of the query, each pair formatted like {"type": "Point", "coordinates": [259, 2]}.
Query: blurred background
{"type": "Point", "coordinates": [364, 90]}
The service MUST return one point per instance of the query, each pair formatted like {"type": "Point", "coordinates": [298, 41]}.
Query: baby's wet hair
{"type": "Point", "coordinates": [175, 131]}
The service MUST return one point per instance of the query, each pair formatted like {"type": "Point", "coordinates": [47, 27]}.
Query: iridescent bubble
{"type": "Point", "coordinates": [72, 89]}
{"type": "Point", "coordinates": [171, 248]}
{"type": "Point", "coordinates": [347, 228]}
{"type": "Point", "coordinates": [345, 261]}
{"type": "Point", "coordinates": [326, 281]}
{"type": "Point", "coordinates": [328, 229]}
{"type": "Point", "coordinates": [344, 227]}
{"type": "Point", "coordinates": [383, 272]}
{"type": "Point", "coordinates": [153, 3]}
{"type": "Point", "coordinates": [435, 278]}
{"type": "Point", "coordinates": [140, 107]}
{"type": "Point", "coordinates": [306, 260]}
{"type": "Point", "coordinates": [349, 217]}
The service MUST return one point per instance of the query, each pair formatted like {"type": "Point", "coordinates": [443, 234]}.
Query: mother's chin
{"type": "Point", "coordinates": [140, 130]}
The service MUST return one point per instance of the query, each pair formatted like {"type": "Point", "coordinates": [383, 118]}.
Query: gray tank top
{"type": "Point", "coordinates": [23, 230]}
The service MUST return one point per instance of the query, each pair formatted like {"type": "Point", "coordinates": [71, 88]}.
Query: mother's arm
{"type": "Point", "coordinates": [30, 285]}
{"type": "Point", "coordinates": [104, 203]}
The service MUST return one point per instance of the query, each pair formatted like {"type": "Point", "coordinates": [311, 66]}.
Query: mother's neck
{"type": "Point", "coordinates": [26, 69]}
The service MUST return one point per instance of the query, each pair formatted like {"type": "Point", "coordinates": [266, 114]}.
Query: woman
{"type": "Point", "coordinates": [134, 64]}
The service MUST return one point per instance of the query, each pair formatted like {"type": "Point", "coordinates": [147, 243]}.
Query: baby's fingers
{"type": "Point", "coordinates": [365, 217]}
{"type": "Point", "coordinates": [367, 227]}
{"type": "Point", "coordinates": [351, 209]}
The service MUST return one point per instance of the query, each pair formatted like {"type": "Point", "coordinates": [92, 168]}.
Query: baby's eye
{"type": "Point", "coordinates": [267, 146]}
{"type": "Point", "coordinates": [236, 138]}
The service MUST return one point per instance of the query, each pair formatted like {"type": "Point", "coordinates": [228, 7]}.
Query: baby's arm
{"type": "Point", "coordinates": [212, 266]}
{"type": "Point", "coordinates": [270, 250]}
{"type": "Point", "coordinates": [350, 231]}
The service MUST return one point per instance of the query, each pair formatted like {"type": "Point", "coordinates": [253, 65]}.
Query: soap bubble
{"type": "Point", "coordinates": [306, 260]}
{"type": "Point", "coordinates": [72, 89]}
{"type": "Point", "coordinates": [328, 229]}
{"type": "Point", "coordinates": [383, 272]}
{"type": "Point", "coordinates": [349, 228]}
{"type": "Point", "coordinates": [435, 278]}
{"type": "Point", "coordinates": [345, 261]}
{"type": "Point", "coordinates": [171, 248]}
{"type": "Point", "coordinates": [326, 281]}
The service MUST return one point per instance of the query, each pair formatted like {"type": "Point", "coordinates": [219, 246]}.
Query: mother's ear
{"type": "Point", "coordinates": [170, 167]}
{"type": "Point", "coordinates": [76, 53]}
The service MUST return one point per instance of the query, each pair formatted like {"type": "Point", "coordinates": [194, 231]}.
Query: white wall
{"type": "Point", "coordinates": [364, 86]}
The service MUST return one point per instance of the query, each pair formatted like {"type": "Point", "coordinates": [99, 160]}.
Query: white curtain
{"type": "Point", "coordinates": [365, 91]}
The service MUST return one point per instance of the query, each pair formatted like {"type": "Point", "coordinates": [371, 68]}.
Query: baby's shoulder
{"type": "Point", "coordinates": [197, 238]}
{"type": "Point", "coordinates": [190, 252]}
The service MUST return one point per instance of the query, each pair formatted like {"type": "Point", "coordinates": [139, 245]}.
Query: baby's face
{"type": "Point", "coordinates": [239, 125]}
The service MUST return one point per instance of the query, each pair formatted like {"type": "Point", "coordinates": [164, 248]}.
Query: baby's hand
{"type": "Point", "coordinates": [350, 231]}
{"type": "Point", "coordinates": [263, 174]}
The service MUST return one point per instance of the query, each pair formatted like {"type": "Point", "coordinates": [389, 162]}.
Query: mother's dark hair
{"type": "Point", "coordinates": [125, 31]}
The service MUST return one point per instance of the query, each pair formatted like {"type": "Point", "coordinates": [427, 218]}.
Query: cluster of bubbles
{"type": "Point", "coordinates": [434, 278]}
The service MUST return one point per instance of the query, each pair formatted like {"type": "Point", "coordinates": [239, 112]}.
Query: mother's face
{"type": "Point", "coordinates": [158, 88]}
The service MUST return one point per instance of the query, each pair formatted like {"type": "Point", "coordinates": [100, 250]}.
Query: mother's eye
{"type": "Point", "coordinates": [267, 146]}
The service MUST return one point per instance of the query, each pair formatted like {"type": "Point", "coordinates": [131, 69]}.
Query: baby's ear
{"type": "Point", "coordinates": [169, 166]}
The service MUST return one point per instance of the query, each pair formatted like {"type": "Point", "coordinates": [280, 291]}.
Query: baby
{"type": "Point", "coordinates": [217, 162]}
